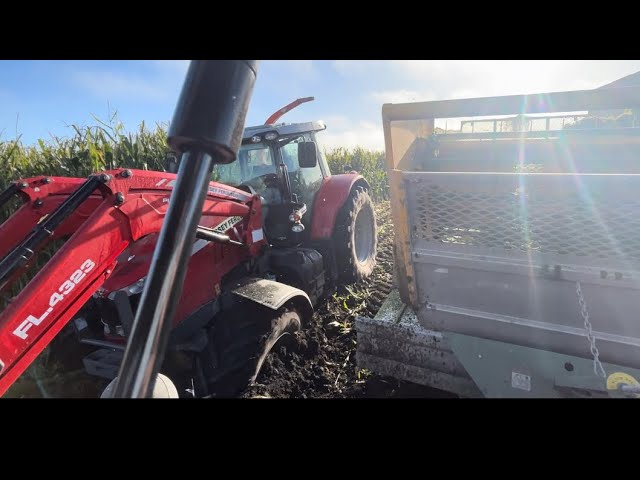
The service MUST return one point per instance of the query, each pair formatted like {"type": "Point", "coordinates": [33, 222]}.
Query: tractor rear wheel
{"type": "Point", "coordinates": [356, 239]}
{"type": "Point", "coordinates": [242, 339]}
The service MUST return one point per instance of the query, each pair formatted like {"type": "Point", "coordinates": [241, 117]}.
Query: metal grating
{"type": "Point", "coordinates": [525, 123]}
{"type": "Point", "coordinates": [600, 226]}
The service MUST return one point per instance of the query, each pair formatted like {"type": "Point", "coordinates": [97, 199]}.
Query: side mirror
{"type": "Point", "coordinates": [307, 155]}
{"type": "Point", "coordinates": [171, 163]}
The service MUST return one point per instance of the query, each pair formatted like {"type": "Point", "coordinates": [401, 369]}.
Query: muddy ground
{"type": "Point", "coordinates": [319, 363]}
{"type": "Point", "coordinates": [323, 362]}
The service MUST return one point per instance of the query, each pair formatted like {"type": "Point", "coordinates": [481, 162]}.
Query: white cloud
{"type": "Point", "coordinates": [400, 81]}
{"type": "Point", "coordinates": [364, 134]}
{"type": "Point", "coordinates": [337, 122]}
{"type": "Point", "coordinates": [463, 78]}
{"type": "Point", "coordinates": [357, 67]}
{"type": "Point", "coordinates": [295, 69]}
{"type": "Point", "coordinates": [507, 77]}
{"type": "Point", "coordinates": [400, 96]}
{"type": "Point", "coordinates": [120, 86]}
{"type": "Point", "coordinates": [360, 87]}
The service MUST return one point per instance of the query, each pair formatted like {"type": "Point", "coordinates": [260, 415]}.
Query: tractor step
{"type": "Point", "coordinates": [103, 363]}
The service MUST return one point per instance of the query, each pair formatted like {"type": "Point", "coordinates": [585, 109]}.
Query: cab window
{"type": "Point", "coordinates": [304, 181]}
{"type": "Point", "coordinates": [254, 162]}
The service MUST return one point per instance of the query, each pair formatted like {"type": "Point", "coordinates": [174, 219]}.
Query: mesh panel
{"type": "Point", "coordinates": [534, 221]}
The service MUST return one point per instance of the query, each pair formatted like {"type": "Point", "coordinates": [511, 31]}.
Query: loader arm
{"type": "Point", "coordinates": [40, 196]}
{"type": "Point", "coordinates": [43, 195]}
{"type": "Point", "coordinates": [131, 205]}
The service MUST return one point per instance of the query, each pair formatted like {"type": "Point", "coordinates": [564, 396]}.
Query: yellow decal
{"type": "Point", "coordinates": [620, 378]}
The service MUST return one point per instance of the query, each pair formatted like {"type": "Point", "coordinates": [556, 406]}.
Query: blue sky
{"type": "Point", "coordinates": [39, 98]}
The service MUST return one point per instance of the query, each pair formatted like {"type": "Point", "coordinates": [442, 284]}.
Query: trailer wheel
{"type": "Point", "coordinates": [242, 339]}
{"type": "Point", "coordinates": [356, 239]}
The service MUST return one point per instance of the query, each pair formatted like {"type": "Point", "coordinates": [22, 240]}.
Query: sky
{"type": "Point", "coordinates": [42, 98]}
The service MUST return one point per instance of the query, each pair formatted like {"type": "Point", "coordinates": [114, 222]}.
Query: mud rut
{"type": "Point", "coordinates": [319, 362]}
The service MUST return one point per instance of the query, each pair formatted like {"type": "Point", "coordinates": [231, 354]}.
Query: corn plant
{"type": "Point", "coordinates": [369, 163]}
{"type": "Point", "coordinates": [88, 149]}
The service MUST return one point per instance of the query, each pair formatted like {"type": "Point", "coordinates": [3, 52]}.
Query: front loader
{"type": "Point", "coordinates": [273, 234]}
{"type": "Point", "coordinates": [517, 252]}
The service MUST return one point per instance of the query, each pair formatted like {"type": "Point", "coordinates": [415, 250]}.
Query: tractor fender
{"type": "Point", "coordinates": [272, 294]}
{"type": "Point", "coordinates": [332, 194]}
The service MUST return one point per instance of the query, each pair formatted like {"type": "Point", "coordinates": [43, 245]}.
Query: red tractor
{"type": "Point", "coordinates": [276, 234]}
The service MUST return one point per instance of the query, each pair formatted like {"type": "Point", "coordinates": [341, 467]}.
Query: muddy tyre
{"type": "Point", "coordinates": [356, 239]}
{"type": "Point", "coordinates": [242, 339]}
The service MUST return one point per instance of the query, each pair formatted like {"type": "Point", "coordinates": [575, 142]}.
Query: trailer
{"type": "Point", "coordinates": [517, 246]}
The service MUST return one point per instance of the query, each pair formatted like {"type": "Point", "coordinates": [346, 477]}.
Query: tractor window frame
{"type": "Point", "coordinates": [305, 178]}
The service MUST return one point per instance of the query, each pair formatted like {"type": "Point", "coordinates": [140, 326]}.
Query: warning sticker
{"type": "Point", "coordinates": [521, 381]}
{"type": "Point", "coordinates": [257, 235]}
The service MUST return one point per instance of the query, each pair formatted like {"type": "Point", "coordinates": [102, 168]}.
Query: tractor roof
{"type": "Point", "coordinates": [283, 129]}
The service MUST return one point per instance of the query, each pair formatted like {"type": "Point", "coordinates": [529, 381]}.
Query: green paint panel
{"type": "Point", "coordinates": [511, 371]}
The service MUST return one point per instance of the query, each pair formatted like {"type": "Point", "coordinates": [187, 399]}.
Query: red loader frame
{"type": "Point", "coordinates": [121, 208]}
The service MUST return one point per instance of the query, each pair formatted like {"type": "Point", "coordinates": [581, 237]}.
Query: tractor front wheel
{"type": "Point", "coordinates": [242, 338]}
{"type": "Point", "coordinates": [356, 239]}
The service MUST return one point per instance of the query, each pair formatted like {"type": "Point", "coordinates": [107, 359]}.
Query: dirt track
{"type": "Point", "coordinates": [320, 362]}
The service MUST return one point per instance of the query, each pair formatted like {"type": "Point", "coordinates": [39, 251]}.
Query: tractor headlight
{"type": "Point", "coordinates": [271, 136]}
{"type": "Point", "coordinates": [297, 228]}
{"type": "Point", "coordinates": [256, 139]}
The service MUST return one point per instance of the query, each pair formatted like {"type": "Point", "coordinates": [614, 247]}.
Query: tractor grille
{"type": "Point", "coordinates": [588, 216]}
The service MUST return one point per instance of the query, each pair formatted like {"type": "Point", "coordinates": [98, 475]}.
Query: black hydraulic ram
{"type": "Point", "coordinates": [22, 253]}
{"type": "Point", "coordinates": [206, 129]}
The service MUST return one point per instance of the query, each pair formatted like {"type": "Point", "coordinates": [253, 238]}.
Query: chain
{"type": "Point", "coordinates": [598, 369]}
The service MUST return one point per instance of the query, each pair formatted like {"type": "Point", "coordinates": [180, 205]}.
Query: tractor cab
{"type": "Point", "coordinates": [285, 166]}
